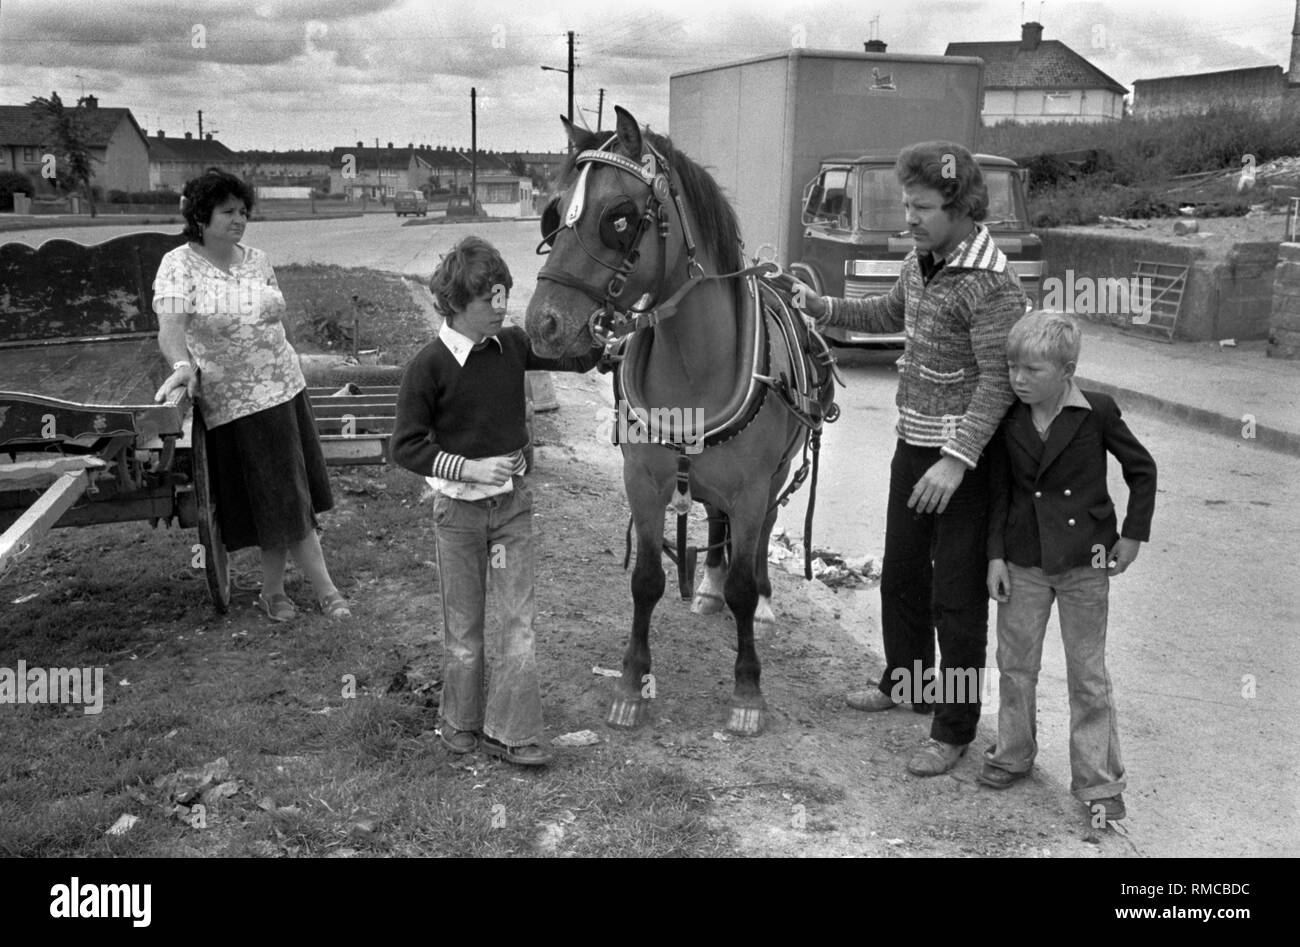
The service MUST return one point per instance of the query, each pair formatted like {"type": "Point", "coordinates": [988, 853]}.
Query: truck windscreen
{"type": "Point", "coordinates": [882, 206]}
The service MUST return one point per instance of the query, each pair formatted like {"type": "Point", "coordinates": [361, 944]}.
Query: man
{"type": "Point", "coordinates": [956, 300]}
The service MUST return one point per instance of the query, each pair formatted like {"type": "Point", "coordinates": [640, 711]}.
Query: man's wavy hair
{"type": "Point", "coordinates": [470, 269]}
{"type": "Point", "coordinates": [951, 170]}
{"type": "Point", "coordinates": [202, 195]}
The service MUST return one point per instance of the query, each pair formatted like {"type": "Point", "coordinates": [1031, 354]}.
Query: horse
{"type": "Point", "coordinates": [711, 427]}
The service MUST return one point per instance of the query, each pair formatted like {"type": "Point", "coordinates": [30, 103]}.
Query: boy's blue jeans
{"type": "Point", "coordinates": [488, 545]}
{"type": "Point", "coordinates": [1082, 597]}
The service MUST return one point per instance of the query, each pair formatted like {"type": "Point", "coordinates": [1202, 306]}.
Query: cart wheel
{"type": "Point", "coordinates": [216, 562]}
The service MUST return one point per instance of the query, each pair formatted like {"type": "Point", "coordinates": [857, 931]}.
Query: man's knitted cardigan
{"type": "Point", "coordinates": [953, 385]}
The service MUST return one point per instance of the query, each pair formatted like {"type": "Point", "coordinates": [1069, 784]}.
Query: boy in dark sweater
{"type": "Point", "coordinates": [1053, 536]}
{"type": "Point", "coordinates": [461, 425]}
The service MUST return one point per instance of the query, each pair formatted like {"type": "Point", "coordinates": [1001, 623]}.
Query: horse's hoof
{"type": "Point", "coordinates": [746, 721]}
{"type": "Point", "coordinates": [706, 603]}
{"type": "Point", "coordinates": [763, 614]}
{"type": "Point", "coordinates": [625, 714]}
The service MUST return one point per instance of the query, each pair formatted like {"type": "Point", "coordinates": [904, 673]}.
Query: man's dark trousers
{"type": "Point", "coordinates": [933, 579]}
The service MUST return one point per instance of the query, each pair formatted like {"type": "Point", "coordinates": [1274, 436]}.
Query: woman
{"type": "Point", "coordinates": [219, 320]}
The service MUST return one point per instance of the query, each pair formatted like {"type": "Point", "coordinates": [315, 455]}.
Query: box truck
{"type": "Point", "coordinates": [804, 144]}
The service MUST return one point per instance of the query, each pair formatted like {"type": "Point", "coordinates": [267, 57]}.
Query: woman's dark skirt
{"type": "Point", "coordinates": [269, 478]}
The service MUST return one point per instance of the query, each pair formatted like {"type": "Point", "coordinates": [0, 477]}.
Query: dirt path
{"type": "Point", "coordinates": [823, 779]}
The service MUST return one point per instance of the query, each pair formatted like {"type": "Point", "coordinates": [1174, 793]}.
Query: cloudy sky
{"type": "Point", "coordinates": [317, 73]}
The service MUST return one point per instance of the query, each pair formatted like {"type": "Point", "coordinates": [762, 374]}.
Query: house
{"type": "Point", "coordinates": [284, 168]}
{"type": "Point", "coordinates": [503, 194]}
{"type": "Point", "coordinates": [1264, 90]}
{"type": "Point", "coordinates": [542, 165]}
{"type": "Point", "coordinates": [1042, 81]}
{"type": "Point", "coordinates": [173, 162]}
{"type": "Point", "coordinates": [377, 173]}
{"type": "Point", "coordinates": [116, 143]}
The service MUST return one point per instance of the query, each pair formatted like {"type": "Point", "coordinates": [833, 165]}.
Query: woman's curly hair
{"type": "Point", "coordinates": [202, 195]}
{"type": "Point", "coordinates": [467, 271]}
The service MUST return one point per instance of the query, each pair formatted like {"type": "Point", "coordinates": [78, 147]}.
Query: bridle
{"type": "Point", "coordinates": [617, 232]}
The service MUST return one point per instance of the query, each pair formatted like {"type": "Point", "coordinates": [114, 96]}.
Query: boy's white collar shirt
{"type": "Point", "coordinates": [458, 345]}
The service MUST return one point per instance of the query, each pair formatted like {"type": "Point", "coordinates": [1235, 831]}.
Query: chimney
{"type": "Point", "coordinates": [1293, 77]}
{"type": "Point", "coordinates": [360, 145]}
{"type": "Point", "coordinates": [390, 144]}
{"type": "Point", "coordinates": [189, 135]}
{"type": "Point", "coordinates": [161, 133]}
{"type": "Point", "coordinates": [88, 101]}
{"type": "Point", "coordinates": [1031, 34]}
{"type": "Point", "coordinates": [208, 136]}
{"type": "Point", "coordinates": [878, 46]}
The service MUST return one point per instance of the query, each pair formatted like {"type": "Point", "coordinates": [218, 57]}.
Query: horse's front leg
{"type": "Point", "coordinates": [632, 693]}
{"type": "Point", "coordinates": [747, 704]}
{"type": "Point", "coordinates": [708, 594]}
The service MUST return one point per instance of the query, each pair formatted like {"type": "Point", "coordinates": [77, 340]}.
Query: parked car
{"type": "Point", "coordinates": [460, 205]}
{"type": "Point", "coordinates": [410, 202]}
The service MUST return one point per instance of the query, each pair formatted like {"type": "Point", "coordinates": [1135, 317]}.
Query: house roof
{"type": "Point", "coordinates": [190, 150]}
{"type": "Point", "coordinates": [22, 125]}
{"type": "Point", "coordinates": [1050, 65]}
{"type": "Point", "coordinates": [368, 159]}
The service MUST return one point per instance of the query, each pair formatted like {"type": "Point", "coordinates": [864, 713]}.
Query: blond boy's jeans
{"type": "Point", "coordinates": [1082, 601]}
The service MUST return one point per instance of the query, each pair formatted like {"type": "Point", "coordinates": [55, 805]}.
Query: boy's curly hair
{"type": "Point", "coordinates": [202, 195]}
{"type": "Point", "coordinates": [951, 170]}
{"type": "Point", "coordinates": [468, 270]}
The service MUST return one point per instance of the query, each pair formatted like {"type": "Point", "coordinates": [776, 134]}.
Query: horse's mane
{"type": "Point", "coordinates": [717, 220]}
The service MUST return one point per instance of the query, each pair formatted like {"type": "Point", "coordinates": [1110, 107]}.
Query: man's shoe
{"type": "Point", "coordinates": [524, 755]}
{"type": "Point", "coordinates": [870, 700]}
{"type": "Point", "coordinates": [1111, 806]}
{"type": "Point", "coordinates": [458, 741]}
{"type": "Point", "coordinates": [997, 778]}
{"type": "Point", "coordinates": [935, 758]}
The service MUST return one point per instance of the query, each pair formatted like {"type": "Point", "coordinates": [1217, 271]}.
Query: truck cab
{"type": "Point", "coordinates": [855, 236]}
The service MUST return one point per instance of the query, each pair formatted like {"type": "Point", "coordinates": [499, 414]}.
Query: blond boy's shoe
{"type": "Point", "coordinates": [935, 758]}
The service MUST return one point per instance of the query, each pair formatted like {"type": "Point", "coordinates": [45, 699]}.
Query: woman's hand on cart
{"type": "Point", "coordinates": [183, 376]}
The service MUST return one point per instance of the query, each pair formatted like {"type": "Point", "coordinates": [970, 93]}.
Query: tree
{"type": "Point", "coordinates": [65, 135]}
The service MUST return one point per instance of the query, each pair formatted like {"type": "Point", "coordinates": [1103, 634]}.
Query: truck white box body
{"type": "Point", "coordinates": [763, 126]}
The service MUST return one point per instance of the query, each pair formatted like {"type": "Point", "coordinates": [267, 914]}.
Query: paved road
{"type": "Point", "coordinates": [1209, 610]}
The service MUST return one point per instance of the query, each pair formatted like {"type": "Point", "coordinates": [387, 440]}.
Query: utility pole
{"type": "Point", "coordinates": [473, 150]}
{"type": "Point", "coordinates": [570, 77]}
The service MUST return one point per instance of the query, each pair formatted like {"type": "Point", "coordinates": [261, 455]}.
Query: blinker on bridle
{"type": "Point", "coordinates": [617, 231]}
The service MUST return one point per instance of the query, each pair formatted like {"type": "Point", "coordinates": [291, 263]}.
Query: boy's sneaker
{"type": "Point", "coordinates": [1112, 806]}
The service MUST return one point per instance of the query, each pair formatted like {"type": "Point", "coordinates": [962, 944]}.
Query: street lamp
{"type": "Point", "coordinates": [568, 72]}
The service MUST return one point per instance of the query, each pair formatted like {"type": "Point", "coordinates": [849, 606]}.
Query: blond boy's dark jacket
{"type": "Point", "coordinates": [1048, 502]}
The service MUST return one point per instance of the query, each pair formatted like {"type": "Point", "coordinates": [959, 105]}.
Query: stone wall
{"type": "Point", "coordinates": [1284, 320]}
{"type": "Point", "coordinates": [1260, 89]}
{"type": "Point", "coordinates": [1229, 292]}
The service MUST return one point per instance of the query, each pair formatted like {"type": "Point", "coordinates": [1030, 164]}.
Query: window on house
{"type": "Point", "coordinates": [1058, 103]}
{"type": "Point", "coordinates": [499, 193]}
{"type": "Point", "coordinates": [29, 155]}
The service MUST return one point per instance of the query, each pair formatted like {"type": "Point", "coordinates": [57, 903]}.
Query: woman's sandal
{"type": "Point", "coordinates": [335, 606]}
{"type": "Point", "coordinates": [278, 607]}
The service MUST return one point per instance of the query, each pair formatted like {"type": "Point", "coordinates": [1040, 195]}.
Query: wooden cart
{"type": "Point", "coordinates": [82, 440]}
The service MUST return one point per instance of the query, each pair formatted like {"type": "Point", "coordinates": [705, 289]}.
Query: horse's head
{"type": "Point", "coordinates": [616, 236]}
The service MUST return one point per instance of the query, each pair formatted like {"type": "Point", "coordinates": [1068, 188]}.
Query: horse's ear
{"type": "Point", "coordinates": [629, 133]}
{"type": "Point", "coordinates": [579, 138]}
